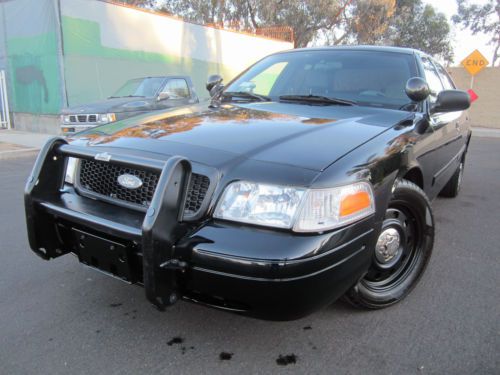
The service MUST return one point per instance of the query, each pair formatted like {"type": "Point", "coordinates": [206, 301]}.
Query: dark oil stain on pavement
{"type": "Point", "coordinates": [306, 328]}
{"type": "Point", "coordinates": [284, 360]}
{"type": "Point", "coordinates": [184, 349]}
{"type": "Point", "coordinates": [132, 313]}
{"type": "Point", "coordinates": [115, 304]}
{"type": "Point", "coordinates": [313, 347]}
{"type": "Point", "coordinates": [175, 340]}
{"type": "Point", "coordinates": [225, 356]}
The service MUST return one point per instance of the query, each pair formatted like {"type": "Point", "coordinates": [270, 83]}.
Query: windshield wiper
{"type": "Point", "coordinates": [246, 95]}
{"type": "Point", "coordinates": [316, 99]}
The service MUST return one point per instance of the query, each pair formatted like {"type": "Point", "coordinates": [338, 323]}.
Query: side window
{"type": "Point", "coordinates": [177, 88]}
{"type": "Point", "coordinates": [445, 78]}
{"type": "Point", "coordinates": [432, 78]}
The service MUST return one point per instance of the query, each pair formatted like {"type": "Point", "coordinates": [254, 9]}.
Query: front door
{"type": "Point", "coordinates": [445, 137]}
{"type": "Point", "coordinates": [178, 94]}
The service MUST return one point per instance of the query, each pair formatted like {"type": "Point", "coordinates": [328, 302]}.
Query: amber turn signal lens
{"type": "Point", "coordinates": [353, 203]}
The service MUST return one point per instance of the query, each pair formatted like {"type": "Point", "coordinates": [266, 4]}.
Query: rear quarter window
{"type": "Point", "coordinates": [445, 78]}
{"type": "Point", "coordinates": [432, 78]}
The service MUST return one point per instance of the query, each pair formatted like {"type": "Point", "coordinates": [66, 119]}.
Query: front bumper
{"type": "Point", "coordinates": [69, 129]}
{"type": "Point", "coordinates": [264, 273]}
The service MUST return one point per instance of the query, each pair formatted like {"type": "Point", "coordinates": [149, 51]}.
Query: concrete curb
{"type": "Point", "coordinates": [486, 132]}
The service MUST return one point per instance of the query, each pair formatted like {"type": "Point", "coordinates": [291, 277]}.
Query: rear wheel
{"type": "Point", "coordinates": [452, 188]}
{"type": "Point", "coordinates": [402, 251]}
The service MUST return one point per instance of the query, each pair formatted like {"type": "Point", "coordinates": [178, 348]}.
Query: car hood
{"type": "Point", "coordinates": [111, 105]}
{"type": "Point", "coordinates": [303, 136]}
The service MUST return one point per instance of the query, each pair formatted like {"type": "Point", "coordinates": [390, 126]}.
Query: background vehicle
{"type": "Point", "coordinates": [137, 96]}
{"type": "Point", "coordinates": [308, 177]}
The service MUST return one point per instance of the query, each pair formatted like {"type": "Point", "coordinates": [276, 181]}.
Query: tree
{"type": "Point", "coordinates": [422, 27]}
{"type": "Point", "coordinates": [139, 3]}
{"type": "Point", "coordinates": [406, 23]}
{"type": "Point", "coordinates": [481, 19]}
{"type": "Point", "coordinates": [305, 17]}
{"type": "Point", "coordinates": [213, 12]}
{"type": "Point", "coordinates": [371, 19]}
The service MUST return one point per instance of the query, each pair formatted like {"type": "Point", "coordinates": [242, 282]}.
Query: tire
{"type": "Point", "coordinates": [389, 280]}
{"type": "Point", "coordinates": [452, 188]}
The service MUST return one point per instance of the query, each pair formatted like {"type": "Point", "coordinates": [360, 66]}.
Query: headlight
{"type": "Point", "coordinates": [326, 209]}
{"type": "Point", "coordinates": [106, 118]}
{"type": "Point", "coordinates": [65, 119]}
{"type": "Point", "coordinates": [71, 171]}
{"type": "Point", "coordinates": [313, 210]}
{"type": "Point", "coordinates": [269, 205]}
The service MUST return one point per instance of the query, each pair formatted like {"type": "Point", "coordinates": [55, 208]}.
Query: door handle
{"type": "Point", "coordinates": [457, 126]}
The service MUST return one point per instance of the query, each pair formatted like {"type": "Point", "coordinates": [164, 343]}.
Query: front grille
{"type": "Point", "coordinates": [83, 118]}
{"type": "Point", "coordinates": [101, 179]}
{"type": "Point", "coordinates": [197, 190]}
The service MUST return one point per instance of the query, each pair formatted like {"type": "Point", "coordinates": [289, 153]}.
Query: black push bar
{"type": "Point", "coordinates": [161, 227]}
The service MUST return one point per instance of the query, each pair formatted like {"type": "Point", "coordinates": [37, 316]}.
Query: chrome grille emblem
{"type": "Point", "coordinates": [103, 156]}
{"type": "Point", "coordinates": [129, 181]}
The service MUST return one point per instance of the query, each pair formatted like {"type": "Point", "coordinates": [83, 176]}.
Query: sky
{"type": "Point", "coordinates": [463, 42]}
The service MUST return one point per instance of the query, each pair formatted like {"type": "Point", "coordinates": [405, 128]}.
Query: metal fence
{"type": "Point", "coordinates": [284, 33]}
{"type": "Point", "coordinates": [4, 102]}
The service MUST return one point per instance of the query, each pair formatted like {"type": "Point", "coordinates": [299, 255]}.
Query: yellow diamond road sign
{"type": "Point", "coordinates": [475, 62]}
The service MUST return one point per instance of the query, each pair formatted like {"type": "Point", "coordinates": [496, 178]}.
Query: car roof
{"type": "Point", "coordinates": [407, 51]}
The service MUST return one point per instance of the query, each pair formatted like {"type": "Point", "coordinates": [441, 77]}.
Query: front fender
{"type": "Point", "coordinates": [380, 161]}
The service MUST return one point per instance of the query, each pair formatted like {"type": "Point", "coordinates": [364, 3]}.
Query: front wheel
{"type": "Point", "coordinates": [402, 250]}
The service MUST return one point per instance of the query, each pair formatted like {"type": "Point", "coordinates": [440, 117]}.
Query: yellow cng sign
{"type": "Point", "coordinates": [475, 62]}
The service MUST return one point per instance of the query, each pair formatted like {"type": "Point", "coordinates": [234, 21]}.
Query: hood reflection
{"type": "Point", "coordinates": [185, 121]}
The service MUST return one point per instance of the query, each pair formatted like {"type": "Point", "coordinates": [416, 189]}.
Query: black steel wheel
{"type": "Point", "coordinates": [402, 250]}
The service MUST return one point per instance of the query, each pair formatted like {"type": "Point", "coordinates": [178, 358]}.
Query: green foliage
{"type": "Point", "coordinates": [422, 27]}
{"type": "Point", "coordinates": [370, 19]}
{"type": "Point", "coordinates": [305, 17]}
{"type": "Point", "coordinates": [140, 3]}
{"type": "Point", "coordinates": [481, 19]}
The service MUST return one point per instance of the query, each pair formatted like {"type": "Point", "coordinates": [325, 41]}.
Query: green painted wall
{"type": "Point", "coordinates": [94, 71]}
{"type": "Point", "coordinates": [34, 74]}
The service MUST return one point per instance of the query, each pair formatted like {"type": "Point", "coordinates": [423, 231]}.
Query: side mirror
{"type": "Point", "coordinates": [214, 83]}
{"type": "Point", "coordinates": [451, 101]}
{"type": "Point", "coordinates": [417, 89]}
{"type": "Point", "coordinates": [162, 96]}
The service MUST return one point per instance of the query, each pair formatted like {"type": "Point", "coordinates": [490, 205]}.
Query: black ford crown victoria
{"type": "Point", "coordinates": [308, 177]}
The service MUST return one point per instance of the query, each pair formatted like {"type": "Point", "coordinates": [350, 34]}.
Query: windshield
{"type": "Point", "coordinates": [370, 78]}
{"type": "Point", "coordinates": [145, 87]}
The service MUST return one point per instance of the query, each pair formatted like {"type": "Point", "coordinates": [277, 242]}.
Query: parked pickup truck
{"type": "Point", "coordinates": [137, 96]}
{"type": "Point", "coordinates": [308, 177]}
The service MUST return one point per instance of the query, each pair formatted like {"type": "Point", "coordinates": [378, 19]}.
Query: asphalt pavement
{"type": "Point", "coordinates": [59, 317]}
